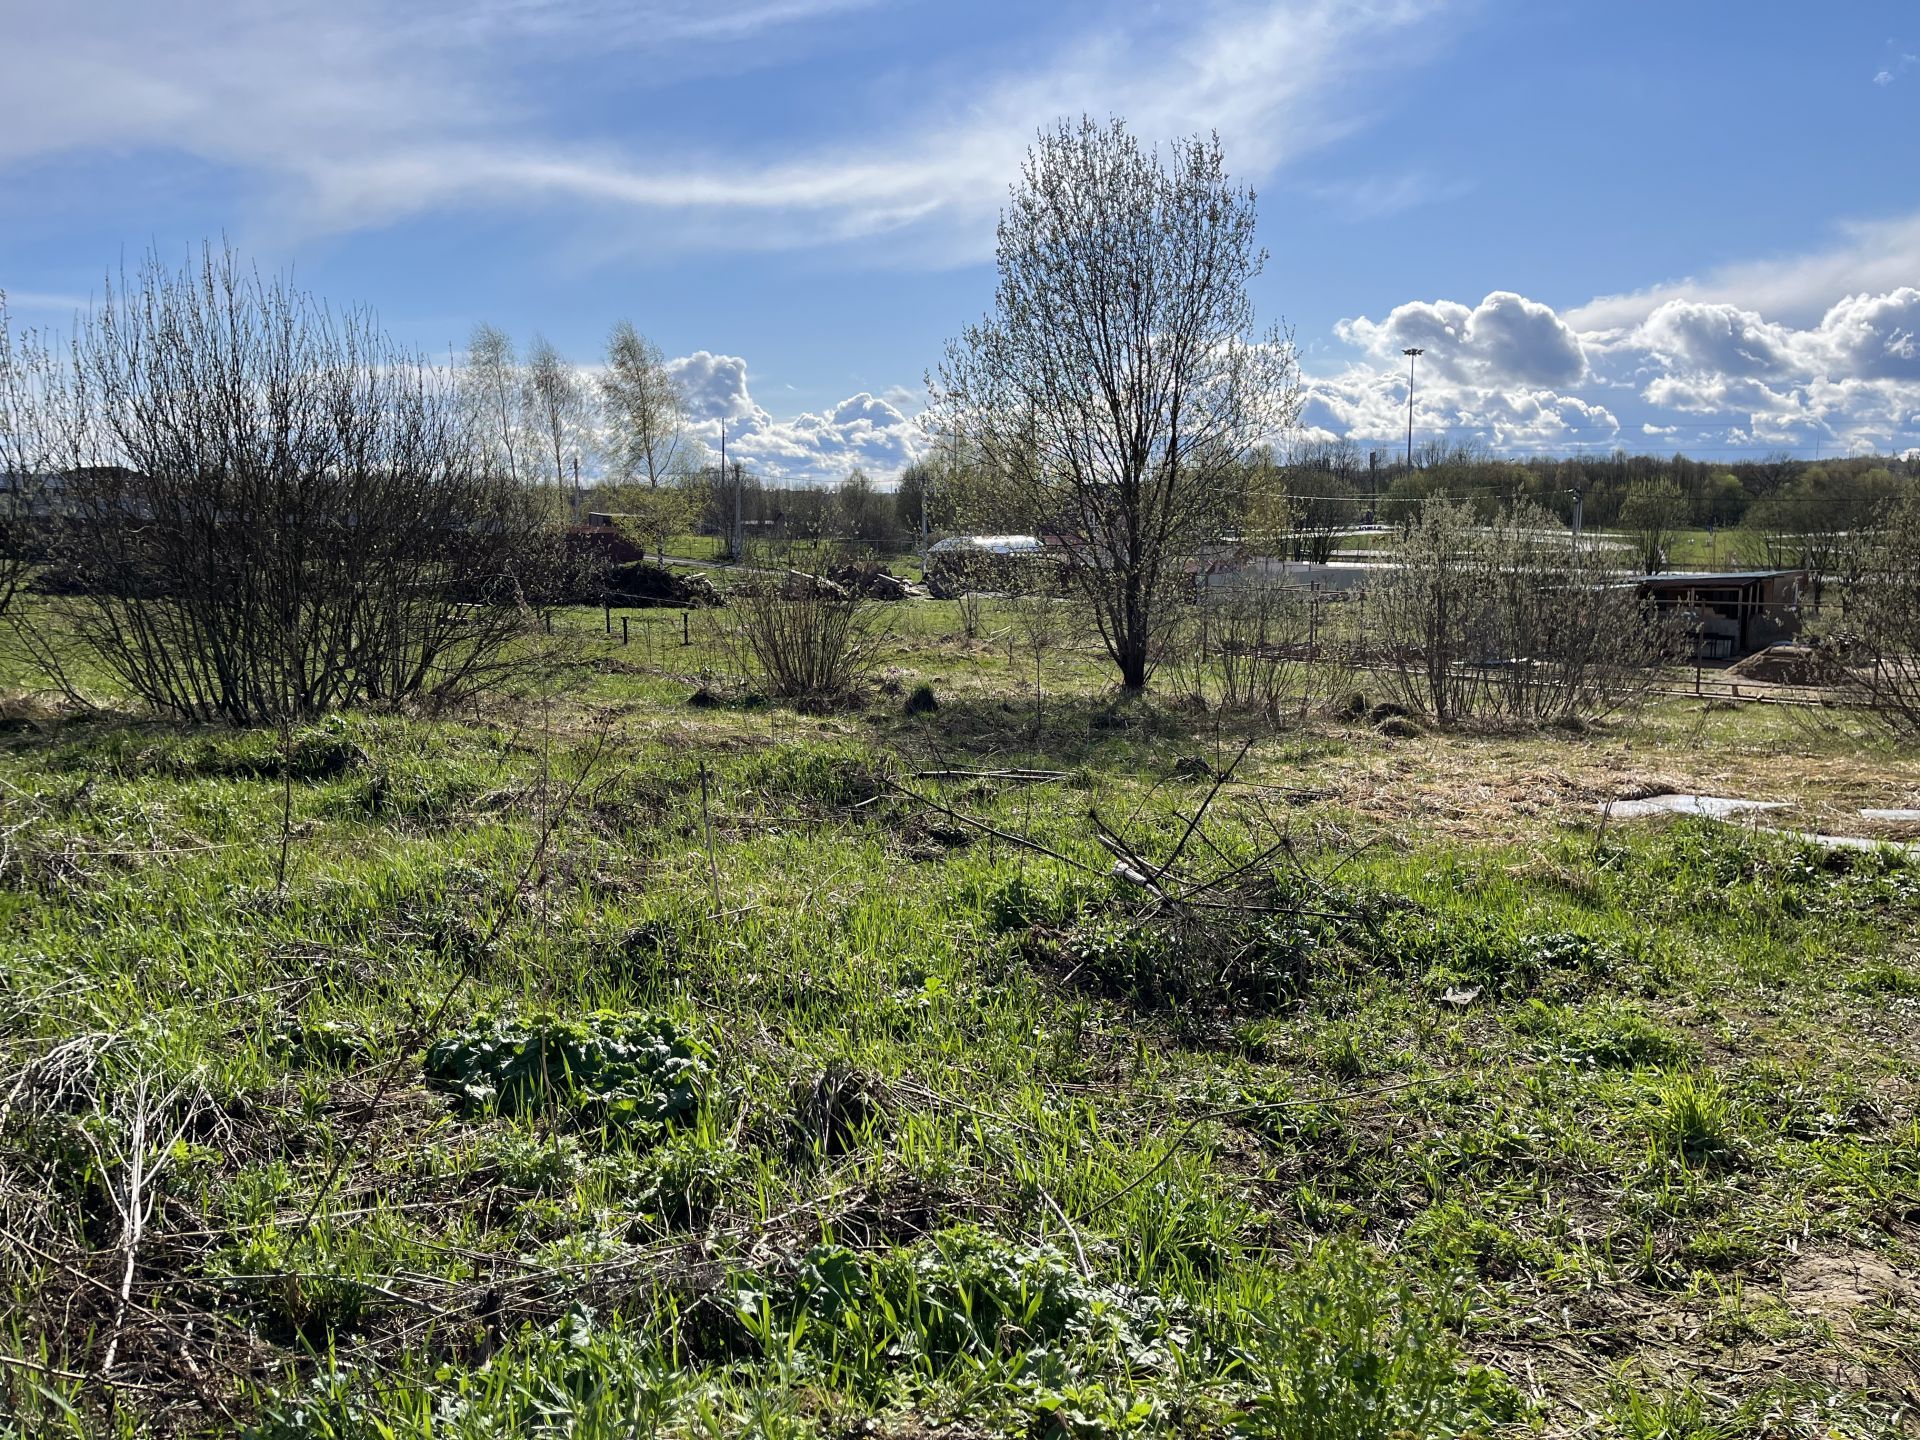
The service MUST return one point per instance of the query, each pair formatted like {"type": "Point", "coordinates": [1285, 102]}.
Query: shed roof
{"type": "Point", "coordinates": [1714, 577]}
{"type": "Point", "coordinates": [993, 544]}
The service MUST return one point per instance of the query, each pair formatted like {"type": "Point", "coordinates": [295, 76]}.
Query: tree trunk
{"type": "Point", "coordinates": [1133, 659]}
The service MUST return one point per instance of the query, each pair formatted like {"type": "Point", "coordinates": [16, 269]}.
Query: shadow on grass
{"type": "Point", "coordinates": [1071, 731]}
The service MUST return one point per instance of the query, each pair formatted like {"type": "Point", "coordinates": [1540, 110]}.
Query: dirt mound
{"type": "Point", "coordinates": [1789, 665]}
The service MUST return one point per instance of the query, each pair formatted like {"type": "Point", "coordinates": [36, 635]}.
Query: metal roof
{"type": "Point", "coordinates": [993, 544]}
{"type": "Point", "coordinates": [1713, 577]}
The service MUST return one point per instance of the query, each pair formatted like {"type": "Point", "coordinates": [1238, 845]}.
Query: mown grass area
{"type": "Point", "coordinates": [601, 1064]}
{"type": "Point", "coordinates": [902, 557]}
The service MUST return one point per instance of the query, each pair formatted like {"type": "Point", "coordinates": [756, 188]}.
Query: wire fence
{"type": "Point", "coordinates": [1335, 634]}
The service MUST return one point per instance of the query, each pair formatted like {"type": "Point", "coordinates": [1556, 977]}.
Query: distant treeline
{"type": "Point", "coordinates": [1711, 493]}
{"type": "Point", "coordinates": [1323, 488]}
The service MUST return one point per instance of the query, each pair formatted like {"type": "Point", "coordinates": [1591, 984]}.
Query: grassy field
{"type": "Point", "coordinates": [712, 549]}
{"type": "Point", "coordinates": [606, 1064]}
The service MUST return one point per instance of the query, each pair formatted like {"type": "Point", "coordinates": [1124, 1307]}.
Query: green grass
{"type": "Point", "coordinates": [607, 1066]}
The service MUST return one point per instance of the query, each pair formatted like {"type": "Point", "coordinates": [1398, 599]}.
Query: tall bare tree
{"type": "Point", "coordinates": [28, 443]}
{"type": "Point", "coordinates": [556, 403]}
{"type": "Point", "coordinates": [1119, 382]}
{"type": "Point", "coordinates": [494, 389]}
{"type": "Point", "coordinates": [1651, 516]}
{"type": "Point", "coordinates": [643, 407]}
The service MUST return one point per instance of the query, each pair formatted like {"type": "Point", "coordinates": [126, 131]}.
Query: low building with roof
{"type": "Point", "coordinates": [1730, 612]}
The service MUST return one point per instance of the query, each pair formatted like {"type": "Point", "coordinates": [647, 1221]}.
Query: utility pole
{"type": "Point", "coordinates": [1412, 352]}
{"type": "Point", "coordinates": [1579, 513]}
{"type": "Point", "coordinates": [739, 519]}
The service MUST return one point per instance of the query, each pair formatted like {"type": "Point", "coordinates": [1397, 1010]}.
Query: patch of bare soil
{"type": "Point", "coordinates": [1473, 788]}
{"type": "Point", "coordinates": [1868, 1307]}
{"type": "Point", "coordinates": [1835, 1285]}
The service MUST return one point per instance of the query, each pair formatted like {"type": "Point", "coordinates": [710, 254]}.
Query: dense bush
{"type": "Point", "coordinates": [267, 509]}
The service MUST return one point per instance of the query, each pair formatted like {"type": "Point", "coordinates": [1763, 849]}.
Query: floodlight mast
{"type": "Point", "coordinates": [1411, 352]}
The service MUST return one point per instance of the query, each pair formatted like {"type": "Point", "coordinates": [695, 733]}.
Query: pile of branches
{"type": "Point", "coordinates": [871, 579]}
{"type": "Point", "coordinates": [1202, 929]}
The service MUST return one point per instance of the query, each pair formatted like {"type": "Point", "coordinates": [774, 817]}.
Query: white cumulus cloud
{"type": "Point", "coordinates": [1506, 339]}
{"type": "Point", "coordinates": [1712, 374]}
{"type": "Point", "coordinates": [862, 431]}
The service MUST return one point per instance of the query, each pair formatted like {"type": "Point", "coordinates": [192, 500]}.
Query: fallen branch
{"type": "Point", "coordinates": [1020, 840]}
{"type": "Point", "coordinates": [1032, 777]}
{"type": "Point", "coordinates": [139, 1167]}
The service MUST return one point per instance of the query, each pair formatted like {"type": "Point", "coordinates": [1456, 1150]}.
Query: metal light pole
{"type": "Point", "coordinates": [1411, 352]}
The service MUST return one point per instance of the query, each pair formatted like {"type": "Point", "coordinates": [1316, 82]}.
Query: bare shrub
{"type": "Point", "coordinates": [268, 510]}
{"type": "Point", "coordinates": [1430, 613]}
{"type": "Point", "coordinates": [970, 606]}
{"type": "Point", "coordinates": [1042, 620]}
{"type": "Point", "coordinates": [1579, 641]}
{"type": "Point", "coordinates": [28, 427]}
{"type": "Point", "coordinates": [800, 636]}
{"type": "Point", "coordinates": [1247, 649]}
{"type": "Point", "coordinates": [1880, 637]}
{"type": "Point", "coordinates": [1510, 620]}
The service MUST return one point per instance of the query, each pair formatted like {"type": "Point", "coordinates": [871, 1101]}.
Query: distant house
{"type": "Point", "coordinates": [1730, 613]}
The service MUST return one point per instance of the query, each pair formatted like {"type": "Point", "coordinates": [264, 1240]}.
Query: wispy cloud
{"type": "Point", "coordinates": [1866, 255]}
{"type": "Point", "coordinates": [29, 302]}
{"type": "Point", "coordinates": [344, 118]}
{"type": "Point", "coordinates": [1375, 197]}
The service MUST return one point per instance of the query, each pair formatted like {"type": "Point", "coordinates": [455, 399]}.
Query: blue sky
{"type": "Point", "coordinates": [1657, 226]}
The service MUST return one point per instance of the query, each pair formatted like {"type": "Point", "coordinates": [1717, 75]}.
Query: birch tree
{"type": "Point", "coordinates": [643, 406]}
{"type": "Point", "coordinates": [556, 404]}
{"type": "Point", "coordinates": [495, 388]}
